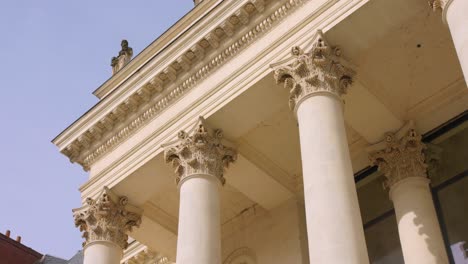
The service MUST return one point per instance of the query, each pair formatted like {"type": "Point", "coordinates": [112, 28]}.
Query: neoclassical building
{"type": "Point", "coordinates": [282, 131]}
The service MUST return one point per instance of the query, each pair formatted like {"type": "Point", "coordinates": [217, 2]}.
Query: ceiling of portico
{"type": "Point", "coordinates": [407, 70]}
{"type": "Point", "coordinates": [154, 185]}
{"type": "Point", "coordinates": [404, 53]}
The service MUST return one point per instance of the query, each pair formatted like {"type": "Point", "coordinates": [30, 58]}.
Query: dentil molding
{"type": "Point", "coordinates": [155, 96]}
{"type": "Point", "coordinates": [108, 218]}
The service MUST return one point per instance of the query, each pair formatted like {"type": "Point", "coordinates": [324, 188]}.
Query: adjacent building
{"type": "Point", "coordinates": [12, 251]}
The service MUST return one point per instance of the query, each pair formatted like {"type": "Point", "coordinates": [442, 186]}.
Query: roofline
{"type": "Point", "coordinates": [201, 8]}
{"type": "Point", "coordinates": [207, 9]}
{"type": "Point", "coordinates": [20, 245]}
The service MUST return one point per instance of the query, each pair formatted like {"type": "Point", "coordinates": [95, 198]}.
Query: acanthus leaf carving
{"type": "Point", "coordinates": [108, 218]}
{"type": "Point", "coordinates": [400, 155]}
{"type": "Point", "coordinates": [320, 70]}
{"type": "Point", "coordinates": [201, 152]}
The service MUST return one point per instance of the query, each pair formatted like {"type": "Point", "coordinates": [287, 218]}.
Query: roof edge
{"type": "Point", "coordinates": [160, 43]}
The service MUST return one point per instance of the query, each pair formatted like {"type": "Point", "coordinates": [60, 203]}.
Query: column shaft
{"type": "Point", "coordinates": [200, 159]}
{"type": "Point", "coordinates": [334, 224]}
{"type": "Point", "coordinates": [418, 226]}
{"type": "Point", "coordinates": [102, 252]}
{"type": "Point", "coordinates": [457, 21]}
{"type": "Point", "coordinates": [316, 79]}
{"type": "Point", "coordinates": [199, 235]}
{"type": "Point", "coordinates": [401, 159]}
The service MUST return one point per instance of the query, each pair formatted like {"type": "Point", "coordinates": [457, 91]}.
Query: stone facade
{"type": "Point", "coordinates": [276, 186]}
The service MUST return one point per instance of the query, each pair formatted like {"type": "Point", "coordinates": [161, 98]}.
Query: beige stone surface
{"type": "Point", "coordinates": [418, 226]}
{"type": "Point", "coordinates": [216, 63]}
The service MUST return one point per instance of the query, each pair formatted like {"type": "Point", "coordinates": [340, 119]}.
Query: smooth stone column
{"type": "Point", "coordinates": [400, 157]}
{"type": "Point", "coordinates": [454, 13]}
{"type": "Point", "coordinates": [199, 239]}
{"type": "Point", "coordinates": [316, 80]}
{"type": "Point", "coordinates": [102, 252]}
{"type": "Point", "coordinates": [418, 226]}
{"type": "Point", "coordinates": [105, 223]}
{"type": "Point", "coordinates": [200, 159]}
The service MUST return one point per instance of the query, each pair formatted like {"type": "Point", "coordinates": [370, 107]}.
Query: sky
{"type": "Point", "coordinates": [53, 55]}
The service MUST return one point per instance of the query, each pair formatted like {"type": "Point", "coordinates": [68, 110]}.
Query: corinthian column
{"type": "Point", "coordinates": [454, 15]}
{"type": "Point", "coordinates": [105, 223]}
{"type": "Point", "coordinates": [400, 157]}
{"type": "Point", "coordinates": [199, 159]}
{"type": "Point", "coordinates": [316, 80]}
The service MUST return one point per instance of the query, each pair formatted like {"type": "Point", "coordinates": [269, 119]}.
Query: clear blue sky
{"type": "Point", "coordinates": [53, 54]}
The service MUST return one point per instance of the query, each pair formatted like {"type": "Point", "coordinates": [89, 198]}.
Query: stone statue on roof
{"type": "Point", "coordinates": [125, 55]}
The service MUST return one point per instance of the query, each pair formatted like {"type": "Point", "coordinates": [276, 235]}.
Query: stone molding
{"type": "Point", "coordinates": [199, 152]}
{"type": "Point", "coordinates": [400, 155]}
{"type": "Point", "coordinates": [148, 256]}
{"type": "Point", "coordinates": [153, 97]}
{"type": "Point", "coordinates": [108, 218]}
{"type": "Point", "coordinates": [320, 70]}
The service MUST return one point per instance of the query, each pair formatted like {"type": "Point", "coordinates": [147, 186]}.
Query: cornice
{"type": "Point", "coordinates": [155, 95]}
{"type": "Point", "coordinates": [145, 65]}
{"type": "Point", "coordinates": [167, 38]}
{"type": "Point", "coordinates": [256, 67]}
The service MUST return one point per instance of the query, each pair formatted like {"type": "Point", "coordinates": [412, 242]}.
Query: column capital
{"type": "Point", "coordinates": [318, 70]}
{"type": "Point", "coordinates": [108, 218]}
{"type": "Point", "coordinates": [400, 155]}
{"type": "Point", "coordinates": [442, 6]}
{"type": "Point", "coordinates": [200, 151]}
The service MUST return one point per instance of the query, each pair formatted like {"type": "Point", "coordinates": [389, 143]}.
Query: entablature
{"type": "Point", "coordinates": [217, 88]}
{"type": "Point", "coordinates": [164, 79]}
